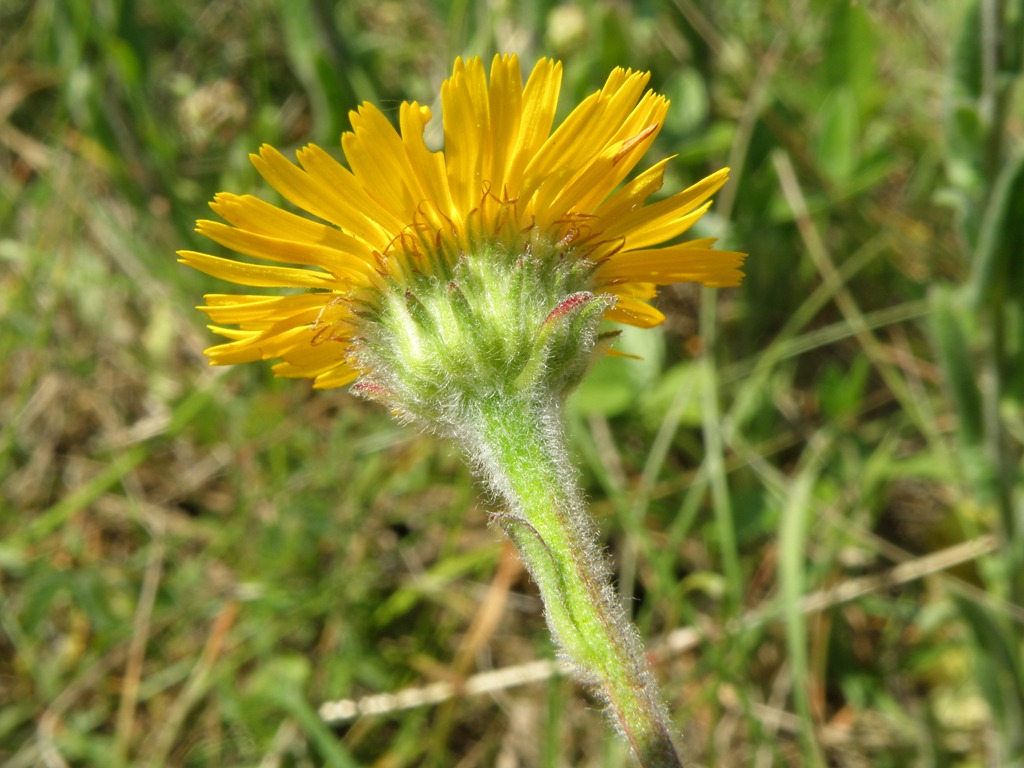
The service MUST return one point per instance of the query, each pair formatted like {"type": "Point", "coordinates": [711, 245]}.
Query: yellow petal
{"type": "Point", "coordinates": [337, 377]}
{"type": "Point", "coordinates": [348, 192]}
{"type": "Point", "coordinates": [466, 113]}
{"type": "Point", "coordinates": [255, 215]}
{"type": "Point", "coordinates": [261, 346]}
{"type": "Point", "coordinates": [661, 221]}
{"type": "Point", "coordinates": [376, 154]}
{"type": "Point", "coordinates": [634, 290]}
{"type": "Point", "coordinates": [633, 195]}
{"type": "Point", "coordinates": [676, 264]}
{"type": "Point", "coordinates": [505, 101]}
{"type": "Point", "coordinates": [635, 312]}
{"type": "Point", "coordinates": [319, 356]}
{"type": "Point", "coordinates": [326, 190]}
{"type": "Point", "coordinates": [575, 144]}
{"type": "Point", "coordinates": [540, 100]}
{"type": "Point", "coordinates": [624, 151]}
{"type": "Point", "coordinates": [251, 311]}
{"type": "Point", "coordinates": [257, 275]}
{"type": "Point", "coordinates": [598, 179]}
{"type": "Point", "coordinates": [429, 167]}
{"type": "Point", "coordinates": [289, 370]}
{"type": "Point", "coordinates": [346, 268]}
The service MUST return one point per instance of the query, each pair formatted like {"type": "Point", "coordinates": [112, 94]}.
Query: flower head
{"type": "Point", "coordinates": [410, 248]}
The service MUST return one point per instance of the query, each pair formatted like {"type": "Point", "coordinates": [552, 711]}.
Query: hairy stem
{"type": "Point", "coordinates": [518, 444]}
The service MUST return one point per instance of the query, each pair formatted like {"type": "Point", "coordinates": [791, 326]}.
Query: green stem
{"type": "Point", "coordinates": [518, 444]}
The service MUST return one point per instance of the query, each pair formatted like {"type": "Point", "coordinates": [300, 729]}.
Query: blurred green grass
{"type": "Point", "coordinates": [193, 560]}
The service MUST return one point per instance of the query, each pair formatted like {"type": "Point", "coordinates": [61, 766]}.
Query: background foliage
{"type": "Point", "coordinates": [192, 561]}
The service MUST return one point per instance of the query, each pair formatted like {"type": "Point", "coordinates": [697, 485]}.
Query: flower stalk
{"type": "Point", "coordinates": [519, 447]}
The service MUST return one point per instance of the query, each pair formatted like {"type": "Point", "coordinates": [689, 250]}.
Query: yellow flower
{"type": "Point", "coordinates": [505, 183]}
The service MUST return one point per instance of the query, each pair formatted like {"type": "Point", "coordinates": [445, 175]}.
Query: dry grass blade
{"type": "Point", "coordinates": [676, 642]}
